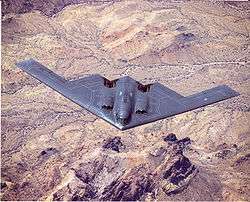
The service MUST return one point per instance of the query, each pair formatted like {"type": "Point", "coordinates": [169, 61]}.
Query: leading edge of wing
{"type": "Point", "coordinates": [41, 72]}
{"type": "Point", "coordinates": [160, 91]}
{"type": "Point", "coordinates": [78, 91]}
{"type": "Point", "coordinates": [50, 78]}
{"type": "Point", "coordinates": [209, 96]}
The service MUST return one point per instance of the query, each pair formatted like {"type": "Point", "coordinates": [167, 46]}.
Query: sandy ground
{"type": "Point", "coordinates": [188, 46]}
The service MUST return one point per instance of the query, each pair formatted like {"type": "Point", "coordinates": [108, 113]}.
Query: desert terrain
{"type": "Point", "coordinates": [52, 149]}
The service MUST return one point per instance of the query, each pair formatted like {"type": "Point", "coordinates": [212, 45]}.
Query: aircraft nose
{"type": "Point", "coordinates": [123, 114]}
{"type": "Point", "coordinates": [124, 111]}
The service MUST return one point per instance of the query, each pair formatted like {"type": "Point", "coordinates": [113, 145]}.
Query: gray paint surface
{"type": "Point", "coordinates": [125, 103]}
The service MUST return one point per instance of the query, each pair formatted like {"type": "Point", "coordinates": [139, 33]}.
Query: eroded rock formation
{"type": "Point", "coordinates": [164, 171]}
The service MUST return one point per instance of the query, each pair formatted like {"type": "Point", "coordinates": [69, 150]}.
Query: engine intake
{"type": "Point", "coordinates": [106, 100]}
{"type": "Point", "coordinates": [141, 104]}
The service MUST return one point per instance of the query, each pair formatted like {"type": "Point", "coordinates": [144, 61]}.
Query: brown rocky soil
{"type": "Point", "coordinates": [54, 150]}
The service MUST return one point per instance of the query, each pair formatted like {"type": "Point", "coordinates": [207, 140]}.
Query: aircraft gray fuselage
{"type": "Point", "coordinates": [125, 103]}
{"type": "Point", "coordinates": [125, 93]}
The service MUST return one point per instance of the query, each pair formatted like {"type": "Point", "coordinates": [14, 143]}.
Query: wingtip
{"type": "Point", "coordinates": [236, 93]}
{"type": "Point", "coordinates": [24, 63]}
{"type": "Point", "coordinates": [229, 91]}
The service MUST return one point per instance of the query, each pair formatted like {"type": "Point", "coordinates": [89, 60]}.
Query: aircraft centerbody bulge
{"type": "Point", "coordinates": [123, 99]}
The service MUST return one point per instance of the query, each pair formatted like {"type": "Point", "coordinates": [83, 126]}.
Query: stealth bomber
{"type": "Point", "coordinates": [124, 102]}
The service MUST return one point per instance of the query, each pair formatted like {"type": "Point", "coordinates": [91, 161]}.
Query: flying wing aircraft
{"type": "Point", "coordinates": [125, 103]}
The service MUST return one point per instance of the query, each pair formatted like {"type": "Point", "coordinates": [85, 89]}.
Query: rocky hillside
{"type": "Point", "coordinates": [54, 150]}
